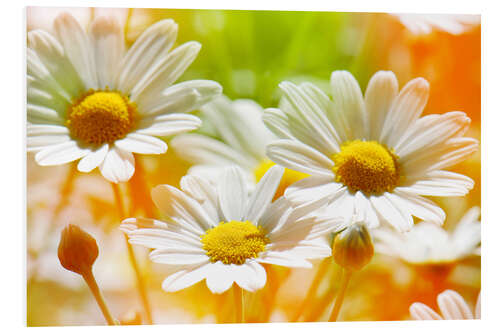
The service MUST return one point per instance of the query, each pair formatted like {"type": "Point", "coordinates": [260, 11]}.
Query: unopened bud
{"type": "Point", "coordinates": [77, 250]}
{"type": "Point", "coordinates": [353, 247]}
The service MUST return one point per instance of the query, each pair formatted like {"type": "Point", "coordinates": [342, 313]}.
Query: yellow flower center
{"type": "Point", "coordinates": [366, 166]}
{"type": "Point", "coordinates": [289, 177]}
{"type": "Point", "coordinates": [101, 117]}
{"type": "Point", "coordinates": [234, 242]}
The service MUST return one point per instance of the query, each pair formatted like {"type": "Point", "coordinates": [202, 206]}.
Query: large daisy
{"type": "Point", "coordinates": [240, 138]}
{"type": "Point", "coordinates": [90, 99]}
{"type": "Point", "coordinates": [224, 233]}
{"type": "Point", "coordinates": [373, 157]}
{"type": "Point", "coordinates": [428, 243]}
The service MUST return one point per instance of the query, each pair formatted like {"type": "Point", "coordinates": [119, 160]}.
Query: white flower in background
{"type": "Point", "coordinates": [428, 243]}
{"type": "Point", "coordinates": [90, 99]}
{"type": "Point", "coordinates": [223, 233]}
{"type": "Point", "coordinates": [422, 24]}
{"type": "Point", "coordinates": [244, 138]}
{"type": "Point", "coordinates": [371, 157]}
{"type": "Point", "coordinates": [452, 306]}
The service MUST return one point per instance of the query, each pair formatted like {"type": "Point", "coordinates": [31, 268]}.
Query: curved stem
{"type": "Point", "coordinates": [313, 288]}
{"type": "Point", "coordinates": [238, 304]}
{"type": "Point", "coordinates": [340, 297]}
{"type": "Point", "coordinates": [133, 261]}
{"type": "Point", "coordinates": [94, 288]}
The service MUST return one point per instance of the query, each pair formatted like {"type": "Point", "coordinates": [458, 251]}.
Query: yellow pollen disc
{"type": "Point", "coordinates": [366, 166]}
{"type": "Point", "coordinates": [289, 177]}
{"type": "Point", "coordinates": [234, 242]}
{"type": "Point", "coordinates": [101, 117]}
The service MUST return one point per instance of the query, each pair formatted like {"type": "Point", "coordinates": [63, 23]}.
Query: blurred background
{"type": "Point", "coordinates": [249, 53]}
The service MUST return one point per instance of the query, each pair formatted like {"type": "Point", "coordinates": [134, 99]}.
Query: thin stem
{"type": "Point", "coordinates": [313, 288]}
{"type": "Point", "coordinates": [340, 297]}
{"type": "Point", "coordinates": [94, 288]}
{"type": "Point", "coordinates": [238, 304]}
{"type": "Point", "coordinates": [133, 261]}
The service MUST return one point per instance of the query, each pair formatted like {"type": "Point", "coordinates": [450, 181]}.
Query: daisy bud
{"type": "Point", "coordinates": [353, 247]}
{"type": "Point", "coordinates": [77, 250]}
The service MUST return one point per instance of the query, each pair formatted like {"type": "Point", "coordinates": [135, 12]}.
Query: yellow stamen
{"type": "Point", "coordinates": [366, 166]}
{"type": "Point", "coordinates": [234, 242]}
{"type": "Point", "coordinates": [289, 177]}
{"type": "Point", "coordinates": [101, 117]}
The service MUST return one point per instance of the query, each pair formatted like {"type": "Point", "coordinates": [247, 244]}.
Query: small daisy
{"type": "Point", "coordinates": [224, 233]}
{"type": "Point", "coordinates": [428, 243]}
{"type": "Point", "coordinates": [373, 157]}
{"type": "Point", "coordinates": [452, 306]}
{"type": "Point", "coordinates": [244, 138]}
{"type": "Point", "coordinates": [90, 99]}
{"type": "Point", "coordinates": [423, 24]}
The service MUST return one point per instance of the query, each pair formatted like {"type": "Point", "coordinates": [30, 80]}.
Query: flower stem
{"type": "Point", "coordinates": [313, 288]}
{"type": "Point", "coordinates": [238, 304]}
{"type": "Point", "coordinates": [340, 297]}
{"type": "Point", "coordinates": [94, 288]}
{"type": "Point", "coordinates": [133, 261]}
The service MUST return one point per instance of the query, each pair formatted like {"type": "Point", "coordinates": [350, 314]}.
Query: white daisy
{"type": "Point", "coordinates": [452, 306]}
{"type": "Point", "coordinates": [373, 157]}
{"type": "Point", "coordinates": [243, 140]}
{"type": "Point", "coordinates": [428, 243]}
{"type": "Point", "coordinates": [223, 233]}
{"type": "Point", "coordinates": [89, 98]}
{"type": "Point", "coordinates": [422, 24]}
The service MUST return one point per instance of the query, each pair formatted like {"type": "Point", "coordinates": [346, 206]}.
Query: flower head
{"type": "Point", "coordinates": [372, 157]}
{"type": "Point", "coordinates": [224, 233]}
{"type": "Point", "coordinates": [91, 99]}
{"type": "Point", "coordinates": [77, 250]}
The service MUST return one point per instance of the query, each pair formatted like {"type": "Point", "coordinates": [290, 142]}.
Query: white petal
{"type": "Point", "coordinates": [39, 114]}
{"type": "Point", "coordinates": [141, 144]}
{"type": "Point", "coordinates": [168, 124]}
{"type": "Point", "coordinates": [439, 183]}
{"type": "Point", "coordinates": [300, 157]}
{"type": "Point", "coordinates": [180, 98]}
{"type": "Point", "coordinates": [453, 306]}
{"type": "Point", "coordinates": [311, 188]}
{"type": "Point", "coordinates": [276, 258]}
{"type": "Point", "coordinates": [420, 207]}
{"type": "Point", "coordinates": [263, 193]}
{"type": "Point", "coordinates": [405, 110]}
{"type": "Point", "coordinates": [221, 278]}
{"type": "Point", "coordinates": [179, 256]}
{"type": "Point", "coordinates": [185, 278]}
{"type": "Point", "coordinates": [41, 136]}
{"type": "Point", "coordinates": [60, 154]}
{"type": "Point", "coordinates": [277, 122]}
{"type": "Point", "coordinates": [160, 238]}
{"type": "Point", "coordinates": [200, 149]}
{"type": "Point", "coordinates": [232, 194]}
{"type": "Point", "coordinates": [421, 311]}
{"type": "Point", "coordinates": [186, 210]}
{"type": "Point", "coordinates": [348, 100]}
{"type": "Point", "coordinates": [391, 212]}
{"type": "Point", "coordinates": [365, 210]}
{"type": "Point", "coordinates": [93, 159]}
{"type": "Point", "coordinates": [380, 93]}
{"type": "Point", "coordinates": [149, 49]}
{"type": "Point", "coordinates": [118, 166]}
{"type": "Point", "coordinates": [163, 74]}
{"type": "Point", "coordinates": [77, 47]}
{"type": "Point", "coordinates": [108, 45]}
{"type": "Point", "coordinates": [201, 190]}
{"type": "Point", "coordinates": [250, 276]}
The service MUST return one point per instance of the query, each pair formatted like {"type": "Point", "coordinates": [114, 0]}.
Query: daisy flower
{"type": "Point", "coordinates": [429, 243]}
{"type": "Point", "coordinates": [452, 306]}
{"type": "Point", "coordinates": [371, 157]}
{"type": "Point", "coordinates": [224, 233]}
{"type": "Point", "coordinates": [423, 24]}
{"type": "Point", "coordinates": [243, 140]}
{"type": "Point", "coordinates": [90, 99]}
